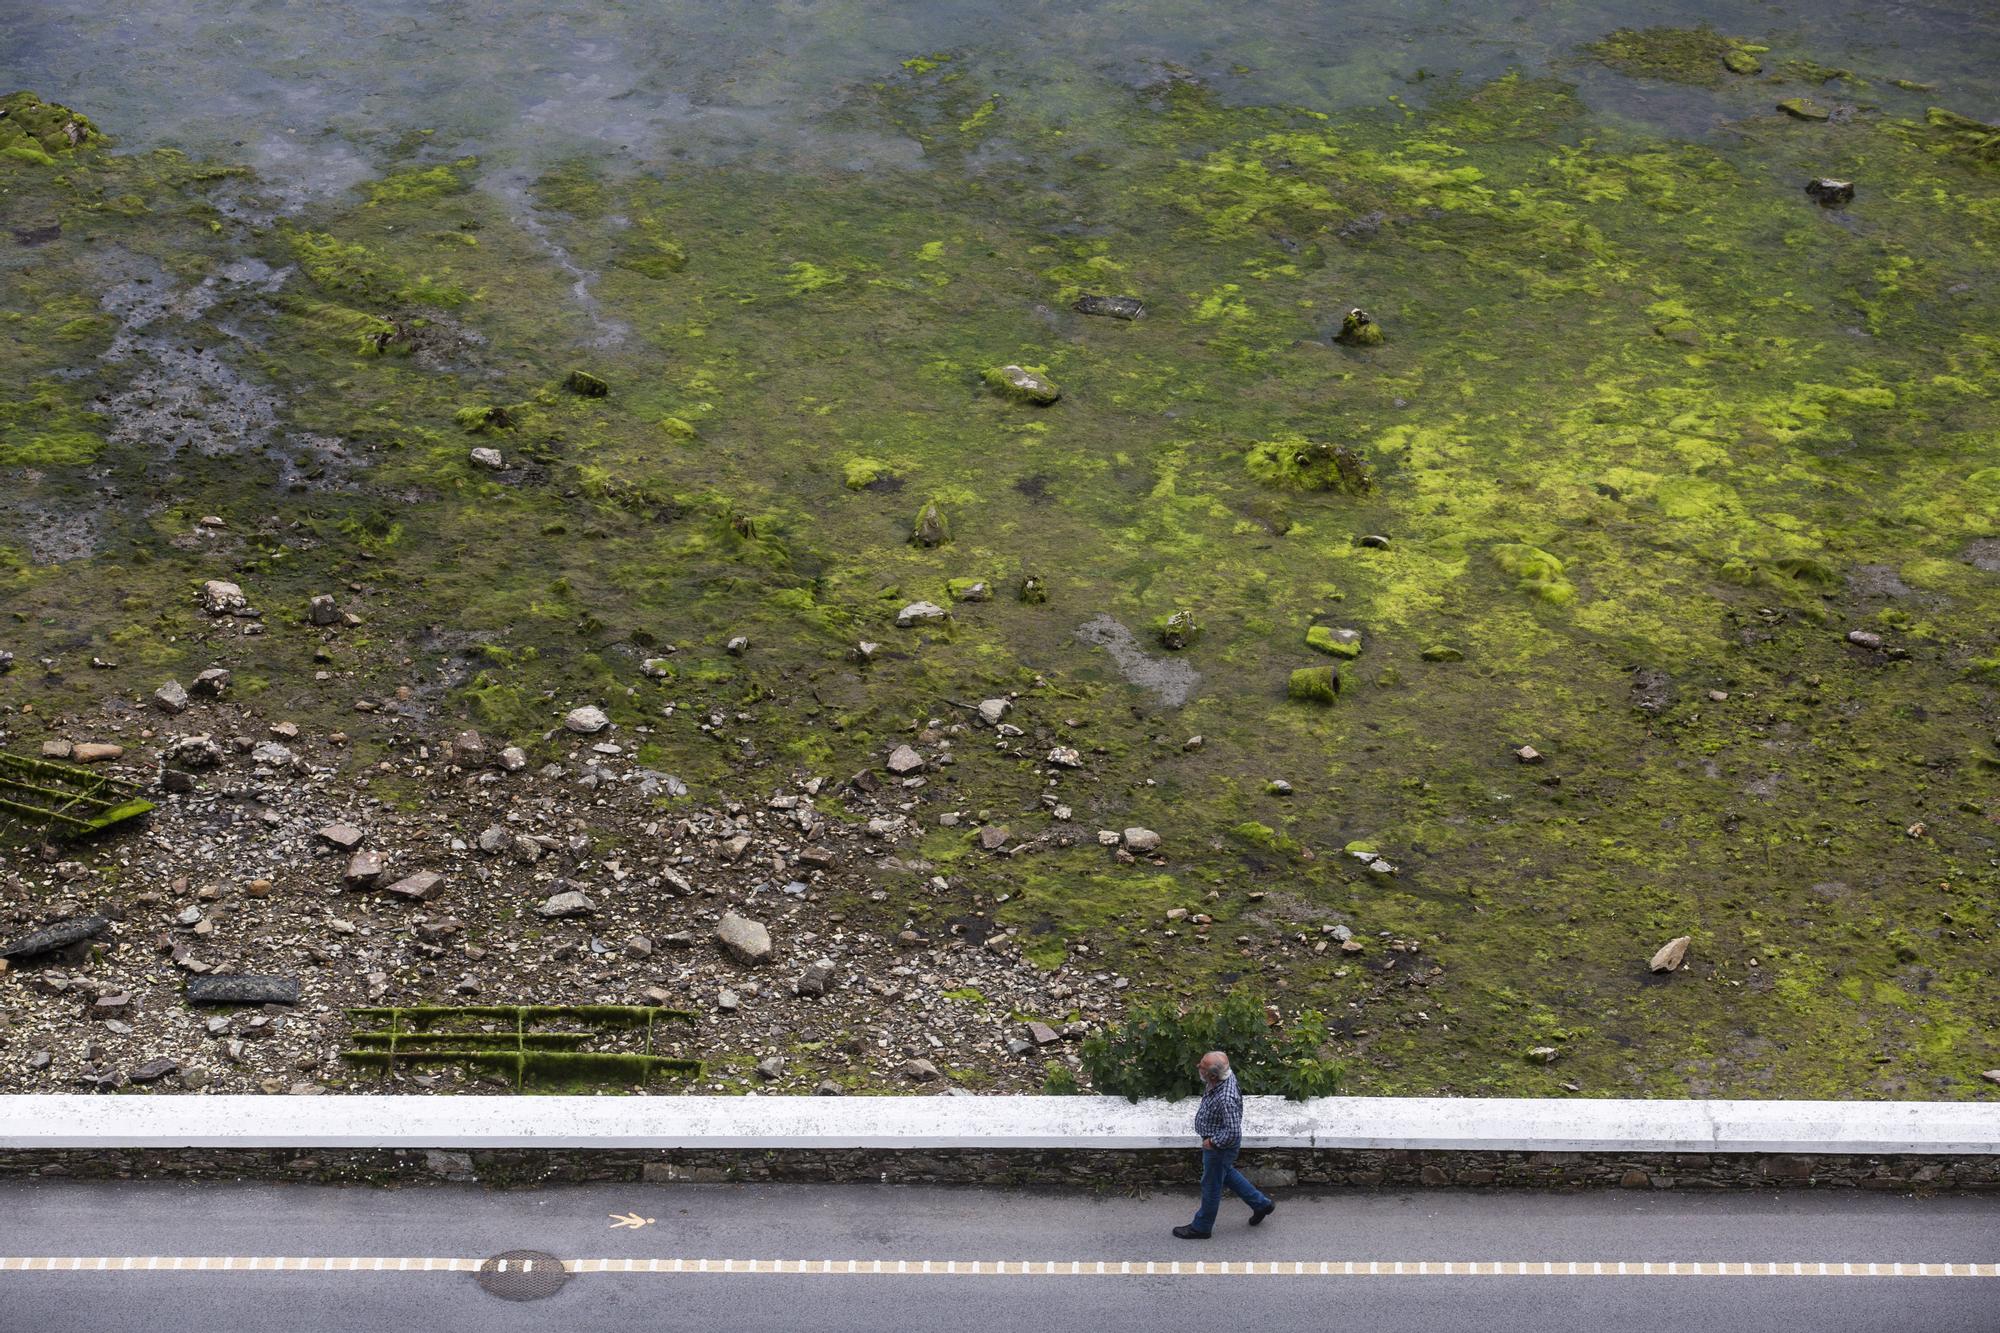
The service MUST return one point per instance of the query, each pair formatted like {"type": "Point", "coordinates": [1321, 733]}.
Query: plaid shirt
{"type": "Point", "coordinates": [1219, 1118]}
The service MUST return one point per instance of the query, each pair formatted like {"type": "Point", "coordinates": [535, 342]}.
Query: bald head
{"type": "Point", "coordinates": [1214, 1067]}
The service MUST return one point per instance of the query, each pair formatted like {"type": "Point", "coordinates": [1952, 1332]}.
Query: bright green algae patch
{"type": "Point", "coordinates": [1648, 432]}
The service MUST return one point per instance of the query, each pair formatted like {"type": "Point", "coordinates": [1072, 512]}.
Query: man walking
{"type": "Point", "coordinates": [1219, 1121]}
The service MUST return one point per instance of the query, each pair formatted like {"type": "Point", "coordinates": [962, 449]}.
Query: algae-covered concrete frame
{"type": "Point", "coordinates": [1815, 1128]}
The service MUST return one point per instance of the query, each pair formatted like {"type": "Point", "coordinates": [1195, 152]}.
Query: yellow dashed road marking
{"type": "Point", "coordinates": [1010, 1267]}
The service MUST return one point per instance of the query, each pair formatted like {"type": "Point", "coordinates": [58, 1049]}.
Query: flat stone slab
{"type": "Point", "coordinates": [242, 988]}
{"type": "Point", "coordinates": [60, 935]}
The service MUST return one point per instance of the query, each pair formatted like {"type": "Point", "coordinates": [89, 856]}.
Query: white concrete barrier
{"type": "Point", "coordinates": [1432, 1123]}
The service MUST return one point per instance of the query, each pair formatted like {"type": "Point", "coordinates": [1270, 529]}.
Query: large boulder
{"type": "Point", "coordinates": [747, 941]}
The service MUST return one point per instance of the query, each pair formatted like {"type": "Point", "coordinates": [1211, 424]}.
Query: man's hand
{"type": "Point", "coordinates": [1209, 1144]}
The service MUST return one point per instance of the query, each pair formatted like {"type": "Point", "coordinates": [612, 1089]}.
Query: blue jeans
{"type": "Point", "coordinates": [1218, 1168]}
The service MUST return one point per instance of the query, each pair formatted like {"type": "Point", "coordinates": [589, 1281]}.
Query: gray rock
{"type": "Point", "coordinates": [993, 837]}
{"type": "Point", "coordinates": [489, 459]}
{"type": "Point", "coordinates": [747, 941]}
{"type": "Point", "coordinates": [1671, 954]}
{"type": "Point", "coordinates": [344, 836]}
{"type": "Point", "coordinates": [771, 1068]}
{"type": "Point", "coordinates": [495, 839]}
{"type": "Point", "coordinates": [1110, 307]}
{"type": "Point", "coordinates": [1023, 384]}
{"type": "Point", "coordinates": [418, 887]}
{"type": "Point", "coordinates": [737, 646]}
{"type": "Point", "coordinates": [273, 755]}
{"type": "Point", "coordinates": [921, 613]}
{"type": "Point", "coordinates": [817, 979]}
{"type": "Point", "coordinates": [1864, 638]}
{"type": "Point", "coordinates": [513, 759]}
{"type": "Point", "coordinates": [155, 1069]}
{"type": "Point", "coordinates": [903, 760]}
{"type": "Point", "coordinates": [1064, 756]}
{"type": "Point", "coordinates": [865, 650]}
{"type": "Point", "coordinates": [192, 753]}
{"type": "Point", "coordinates": [569, 902]}
{"type": "Point", "coordinates": [1141, 840]}
{"type": "Point", "coordinates": [468, 749]}
{"type": "Point", "coordinates": [364, 870]}
{"type": "Point", "coordinates": [242, 988]}
{"type": "Point", "coordinates": [213, 682]}
{"type": "Point", "coordinates": [57, 935]}
{"type": "Point", "coordinates": [728, 1001]}
{"type": "Point", "coordinates": [1543, 1055]}
{"type": "Point", "coordinates": [921, 1071]}
{"type": "Point", "coordinates": [323, 611]}
{"type": "Point", "coordinates": [219, 597]}
{"type": "Point", "coordinates": [992, 711]}
{"type": "Point", "coordinates": [171, 697]}
{"type": "Point", "coordinates": [826, 1087]}
{"type": "Point", "coordinates": [587, 720]}
{"type": "Point", "coordinates": [449, 1165]}
{"type": "Point", "coordinates": [1043, 1035]}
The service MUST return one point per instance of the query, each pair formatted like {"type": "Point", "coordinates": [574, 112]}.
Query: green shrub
{"type": "Point", "coordinates": [1154, 1053]}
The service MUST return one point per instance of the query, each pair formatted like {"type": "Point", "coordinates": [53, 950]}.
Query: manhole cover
{"type": "Point", "coordinates": [523, 1275]}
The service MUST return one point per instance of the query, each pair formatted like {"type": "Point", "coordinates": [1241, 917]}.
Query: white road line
{"type": "Point", "coordinates": [1003, 1267]}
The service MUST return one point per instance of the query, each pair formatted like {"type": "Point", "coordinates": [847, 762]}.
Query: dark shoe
{"type": "Point", "coordinates": [1259, 1214]}
{"type": "Point", "coordinates": [1189, 1233]}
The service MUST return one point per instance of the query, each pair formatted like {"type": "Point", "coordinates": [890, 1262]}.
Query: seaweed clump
{"type": "Point", "coordinates": [1698, 56]}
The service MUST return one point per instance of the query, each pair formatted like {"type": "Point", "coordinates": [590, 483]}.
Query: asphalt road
{"type": "Point", "coordinates": [167, 1228]}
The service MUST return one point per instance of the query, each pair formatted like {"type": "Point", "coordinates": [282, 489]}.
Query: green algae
{"type": "Point", "coordinates": [1569, 498]}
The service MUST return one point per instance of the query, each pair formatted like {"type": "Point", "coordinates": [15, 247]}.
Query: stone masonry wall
{"type": "Point", "coordinates": [1074, 1169]}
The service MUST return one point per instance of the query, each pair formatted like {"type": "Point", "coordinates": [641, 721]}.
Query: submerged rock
{"type": "Point", "coordinates": [586, 384]}
{"type": "Point", "coordinates": [1829, 192]}
{"type": "Point", "coordinates": [1022, 384]}
{"type": "Point", "coordinates": [1111, 307]}
{"type": "Point", "coordinates": [1804, 108]}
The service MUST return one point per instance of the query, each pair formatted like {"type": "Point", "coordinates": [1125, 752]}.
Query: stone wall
{"type": "Point", "coordinates": [1075, 1169]}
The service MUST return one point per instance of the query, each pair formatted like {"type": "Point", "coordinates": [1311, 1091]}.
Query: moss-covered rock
{"type": "Point", "coordinates": [1023, 384]}
{"type": "Point", "coordinates": [1314, 685]}
{"type": "Point", "coordinates": [1537, 572]}
{"type": "Point", "coordinates": [1293, 462]}
{"type": "Point", "coordinates": [1177, 630]}
{"type": "Point", "coordinates": [586, 385]}
{"type": "Point", "coordinates": [930, 528]}
{"type": "Point", "coordinates": [41, 133]}
{"type": "Point", "coordinates": [1357, 329]}
{"type": "Point", "coordinates": [1334, 642]}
